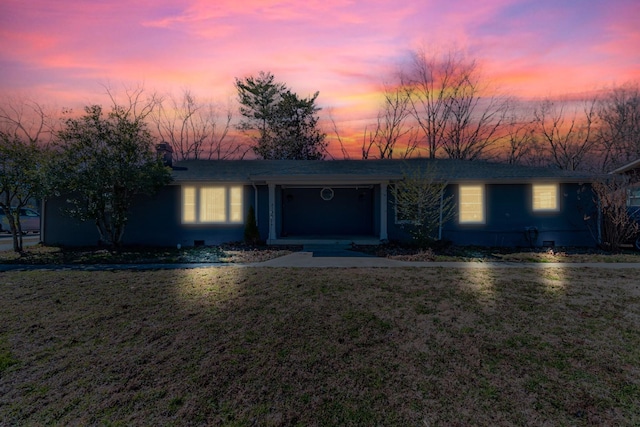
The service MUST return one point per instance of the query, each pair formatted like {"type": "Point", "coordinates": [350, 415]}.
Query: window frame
{"type": "Point", "coordinates": [483, 205]}
{"type": "Point", "coordinates": [233, 204]}
{"type": "Point", "coordinates": [556, 188]}
{"type": "Point", "coordinates": [633, 196]}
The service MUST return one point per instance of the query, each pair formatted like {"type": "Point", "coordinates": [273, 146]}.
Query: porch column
{"type": "Point", "coordinates": [272, 213]}
{"type": "Point", "coordinates": [383, 211]}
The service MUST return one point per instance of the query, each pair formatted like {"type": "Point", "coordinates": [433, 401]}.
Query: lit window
{"type": "Point", "coordinates": [213, 204]}
{"type": "Point", "coordinates": [471, 204]}
{"type": "Point", "coordinates": [188, 204]}
{"type": "Point", "coordinates": [545, 197]}
{"type": "Point", "coordinates": [235, 204]}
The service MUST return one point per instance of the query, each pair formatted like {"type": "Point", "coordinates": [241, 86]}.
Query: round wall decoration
{"type": "Point", "coordinates": [326, 193]}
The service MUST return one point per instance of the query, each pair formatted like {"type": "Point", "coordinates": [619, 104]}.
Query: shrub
{"type": "Point", "coordinates": [251, 232]}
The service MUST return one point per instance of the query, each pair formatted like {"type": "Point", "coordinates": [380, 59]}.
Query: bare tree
{"type": "Point", "coordinates": [194, 129]}
{"type": "Point", "coordinates": [474, 121]}
{"type": "Point", "coordinates": [569, 133]}
{"type": "Point", "coordinates": [618, 225]}
{"type": "Point", "coordinates": [22, 178]}
{"type": "Point", "coordinates": [422, 207]}
{"type": "Point", "coordinates": [449, 105]}
{"type": "Point", "coordinates": [26, 119]}
{"type": "Point", "coordinates": [619, 130]}
{"type": "Point", "coordinates": [393, 131]}
{"type": "Point", "coordinates": [521, 147]}
{"type": "Point", "coordinates": [338, 137]}
{"type": "Point", "coordinates": [134, 102]}
{"type": "Point", "coordinates": [429, 81]}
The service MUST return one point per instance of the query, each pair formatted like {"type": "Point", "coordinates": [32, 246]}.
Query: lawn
{"type": "Point", "coordinates": [258, 346]}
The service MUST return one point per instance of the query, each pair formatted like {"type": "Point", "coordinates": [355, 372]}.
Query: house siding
{"type": "Point", "coordinates": [153, 221]}
{"type": "Point", "coordinates": [511, 222]}
{"type": "Point", "coordinates": [508, 215]}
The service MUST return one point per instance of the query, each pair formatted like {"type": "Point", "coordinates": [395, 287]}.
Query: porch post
{"type": "Point", "coordinates": [383, 211]}
{"type": "Point", "coordinates": [272, 213]}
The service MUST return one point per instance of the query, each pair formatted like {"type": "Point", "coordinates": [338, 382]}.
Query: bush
{"type": "Point", "coordinates": [251, 232]}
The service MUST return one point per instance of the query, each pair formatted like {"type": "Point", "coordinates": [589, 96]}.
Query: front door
{"type": "Point", "coordinates": [327, 212]}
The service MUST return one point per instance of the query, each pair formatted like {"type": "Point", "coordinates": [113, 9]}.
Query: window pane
{"type": "Point", "coordinates": [213, 204]}
{"type": "Point", "coordinates": [634, 197]}
{"type": "Point", "coordinates": [545, 197]}
{"type": "Point", "coordinates": [188, 204]}
{"type": "Point", "coordinates": [471, 204]}
{"type": "Point", "coordinates": [235, 204]}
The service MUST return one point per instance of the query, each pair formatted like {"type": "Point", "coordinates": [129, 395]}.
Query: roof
{"type": "Point", "coordinates": [628, 167]}
{"type": "Point", "coordinates": [363, 171]}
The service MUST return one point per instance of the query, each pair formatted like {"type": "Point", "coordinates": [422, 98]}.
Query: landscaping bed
{"type": "Point", "coordinates": [404, 252]}
{"type": "Point", "coordinates": [234, 253]}
{"type": "Point", "coordinates": [228, 253]}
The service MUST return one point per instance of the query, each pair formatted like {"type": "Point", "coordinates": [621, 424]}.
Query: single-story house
{"type": "Point", "coordinates": [632, 170]}
{"type": "Point", "coordinates": [347, 201]}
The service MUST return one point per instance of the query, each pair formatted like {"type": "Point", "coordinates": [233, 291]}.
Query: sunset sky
{"type": "Point", "coordinates": [65, 51]}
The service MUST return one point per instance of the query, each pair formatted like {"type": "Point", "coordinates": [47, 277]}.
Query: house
{"type": "Point", "coordinates": [349, 201]}
{"type": "Point", "coordinates": [632, 171]}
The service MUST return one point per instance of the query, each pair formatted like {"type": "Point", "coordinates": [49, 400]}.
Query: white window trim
{"type": "Point", "coordinates": [533, 197]}
{"type": "Point", "coordinates": [197, 205]}
{"type": "Point", "coordinates": [633, 197]}
{"type": "Point", "coordinates": [483, 204]}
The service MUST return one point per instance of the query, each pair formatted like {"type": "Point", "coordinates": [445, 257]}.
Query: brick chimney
{"type": "Point", "coordinates": [166, 152]}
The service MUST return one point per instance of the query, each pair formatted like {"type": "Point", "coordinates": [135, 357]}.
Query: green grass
{"type": "Point", "coordinates": [257, 346]}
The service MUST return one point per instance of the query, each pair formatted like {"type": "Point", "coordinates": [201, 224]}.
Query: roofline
{"type": "Point", "coordinates": [367, 180]}
{"type": "Point", "coordinates": [627, 167]}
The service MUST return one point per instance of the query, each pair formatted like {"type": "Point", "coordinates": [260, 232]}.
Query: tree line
{"type": "Point", "coordinates": [439, 106]}
{"type": "Point", "coordinates": [436, 106]}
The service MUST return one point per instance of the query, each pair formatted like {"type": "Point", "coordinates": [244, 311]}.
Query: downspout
{"type": "Point", "coordinates": [42, 218]}
{"type": "Point", "coordinates": [255, 201]}
{"type": "Point", "coordinates": [599, 222]}
{"type": "Point", "coordinates": [440, 220]}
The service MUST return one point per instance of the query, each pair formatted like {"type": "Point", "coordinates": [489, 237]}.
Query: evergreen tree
{"type": "Point", "coordinates": [282, 125]}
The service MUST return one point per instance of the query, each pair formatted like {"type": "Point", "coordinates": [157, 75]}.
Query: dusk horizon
{"type": "Point", "coordinates": [67, 54]}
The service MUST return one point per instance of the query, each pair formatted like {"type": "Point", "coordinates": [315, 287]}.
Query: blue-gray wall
{"type": "Point", "coordinates": [153, 221]}
{"type": "Point", "coordinates": [511, 222]}
{"type": "Point", "coordinates": [156, 220]}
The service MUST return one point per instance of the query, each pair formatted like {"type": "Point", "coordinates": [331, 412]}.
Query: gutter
{"type": "Point", "coordinates": [43, 207]}
{"type": "Point", "coordinates": [255, 201]}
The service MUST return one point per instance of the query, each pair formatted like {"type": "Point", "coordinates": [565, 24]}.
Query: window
{"type": "Point", "coordinates": [471, 204]}
{"type": "Point", "coordinates": [212, 204]}
{"type": "Point", "coordinates": [545, 197]}
{"type": "Point", "coordinates": [634, 197]}
{"type": "Point", "coordinates": [188, 204]}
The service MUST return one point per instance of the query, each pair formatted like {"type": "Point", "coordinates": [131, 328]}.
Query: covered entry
{"type": "Point", "coordinates": [327, 211]}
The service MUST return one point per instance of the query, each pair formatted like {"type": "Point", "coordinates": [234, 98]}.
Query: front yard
{"type": "Point", "coordinates": [259, 346]}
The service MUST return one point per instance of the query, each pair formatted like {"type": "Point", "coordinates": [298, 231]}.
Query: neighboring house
{"type": "Point", "coordinates": [632, 170]}
{"type": "Point", "coordinates": [301, 201]}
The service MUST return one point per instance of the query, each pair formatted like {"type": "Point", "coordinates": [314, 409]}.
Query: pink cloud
{"type": "Point", "coordinates": [344, 49]}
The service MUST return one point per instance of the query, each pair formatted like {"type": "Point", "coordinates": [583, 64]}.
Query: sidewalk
{"type": "Point", "coordinates": [316, 260]}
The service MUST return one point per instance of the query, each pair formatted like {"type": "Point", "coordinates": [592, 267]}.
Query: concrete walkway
{"type": "Point", "coordinates": [315, 260]}
{"type": "Point", "coordinates": [310, 260]}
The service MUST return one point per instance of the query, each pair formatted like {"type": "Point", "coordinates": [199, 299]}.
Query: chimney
{"type": "Point", "coordinates": [166, 152]}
